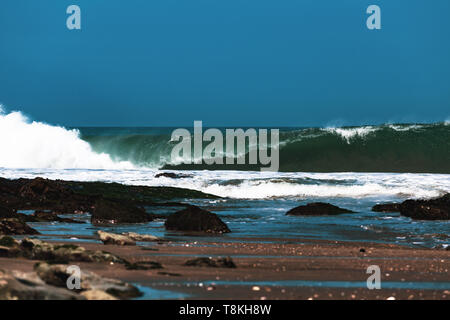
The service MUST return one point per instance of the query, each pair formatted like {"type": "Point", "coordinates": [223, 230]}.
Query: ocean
{"type": "Point", "coordinates": [352, 167]}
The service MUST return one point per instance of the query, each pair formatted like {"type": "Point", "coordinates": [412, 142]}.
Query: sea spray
{"type": "Point", "coordinates": [31, 144]}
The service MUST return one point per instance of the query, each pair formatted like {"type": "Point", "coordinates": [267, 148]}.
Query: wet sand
{"type": "Point", "coordinates": [297, 269]}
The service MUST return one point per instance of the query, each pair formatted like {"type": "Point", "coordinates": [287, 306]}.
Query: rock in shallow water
{"type": "Point", "coordinates": [12, 226]}
{"type": "Point", "coordinates": [387, 207]}
{"type": "Point", "coordinates": [44, 216]}
{"type": "Point", "coordinates": [196, 219]}
{"type": "Point", "coordinates": [317, 209]}
{"type": "Point", "coordinates": [125, 239]}
{"type": "Point", "coordinates": [140, 237]}
{"type": "Point", "coordinates": [172, 175]}
{"type": "Point", "coordinates": [433, 209]}
{"type": "Point", "coordinates": [108, 211]}
{"type": "Point", "coordinates": [117, 239]}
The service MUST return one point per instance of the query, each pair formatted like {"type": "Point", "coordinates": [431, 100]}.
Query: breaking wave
{"type": "Point", "coordinates": [419, 148]}
{"type": "Point", "coordinates": [31, 144]}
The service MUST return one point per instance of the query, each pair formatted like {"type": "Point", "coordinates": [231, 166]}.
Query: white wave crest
{"type": "Point", "coordinates": [403, 128]}
{"type": "Point", "coordinates": [31, 144]}
{"type": "Point", "coordinates": [350, 133]}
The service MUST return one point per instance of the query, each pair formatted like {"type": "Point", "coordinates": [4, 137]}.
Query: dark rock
{"type": "Point", "coordinates": [43, 189]}
{"type": "Point", "coordinates": [70, 197]}
{"type": "Point", "coordinates": [14, 226]}
{"type": "Point", "coordinates": [143, 265]}
{"type": "Point", "coordinates": [108, 211]}
{"type": "Point", "coordinates": [434, 209]}
{"type": "Point", "coordinates": [209, 262]}
{"type": "Point", "coordinates": [44, 216]}
{"type": "Point", "coordinates": [386, 207]}
{"type": "Point", "coordinates": [362, 250]}
{"type": "Point", "coordinates": [195, 219]}
{"type": "Point", "coordinates": [6, 212]}
{"type": "Point", "coordinates": [172, 175]}
{"type": "Point", "coordinates": [317, 209]}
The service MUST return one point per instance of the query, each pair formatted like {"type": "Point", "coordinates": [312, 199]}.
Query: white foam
{"type": "Point", "coordinates": [350, 133]}
{"type": "Point", "coordinates": [31, 144]}
{"type": "Point", "coordinates": [264, 185]}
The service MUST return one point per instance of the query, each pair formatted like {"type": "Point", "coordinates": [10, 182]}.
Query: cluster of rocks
{"type": "Point", "coordinates": [35, 249]}
{"type": "Point", "coordinates": [49, 282]}
{"type": "Point", "coordinates": [107, 202]}
{"type": "Point", "coordinates": [432, 209]}
{"type": "Point", "coordinates": [49, 279]}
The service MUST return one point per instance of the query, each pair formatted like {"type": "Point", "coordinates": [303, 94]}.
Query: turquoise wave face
{"type": "Point", "coordinates": [386, 148]}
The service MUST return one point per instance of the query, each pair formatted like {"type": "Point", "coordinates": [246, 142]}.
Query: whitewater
{"type": "Point", "coordinates": [31, 144]}
{"type": "Point", "coordinates": [36, 149]}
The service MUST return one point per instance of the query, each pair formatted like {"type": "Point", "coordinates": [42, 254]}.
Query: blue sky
{"type": "Point", "coordinates": [226, 62]}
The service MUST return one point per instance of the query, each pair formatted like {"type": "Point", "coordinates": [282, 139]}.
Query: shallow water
{"type": "Point", "coordinates": [266, 219]}
{"type": "Point", "coordinates": [157, 294]}
{"type": "Point", "coordinates": [255, 203]}
{"type": "Point", "coordinates": [417, 285]}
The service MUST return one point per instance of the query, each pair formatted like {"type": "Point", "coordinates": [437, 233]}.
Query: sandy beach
{"type": "Point", "coordinates": [300, 269]}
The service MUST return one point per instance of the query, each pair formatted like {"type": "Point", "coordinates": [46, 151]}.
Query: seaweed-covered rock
{"type": "Point", "coordinates": [13, 226]}
{"type": "Point", "coordinates": [433, 209]}
{"type": "Point", "coordinates": [117, 239]}
{"type": "Point", "coordinates": [9, 247]}
{"type": "Point", "coordinates": [57, 275]}
{"type": "Point", "coordinates": [210, 262]}
{"type": "Point", "coordinates": [317, 209]}
{"type": "Point", "coordinates": [73, 197]}
{"type": "Point", "coordinates": [196, 219]}
{"type": "Point", "coordinates": [39, 250]}
{"type": "Point", "coordinates": [387, 207]}
{"type": "Point", "coordinates": [28, 286]}
{"type": "Point", "coordinates": [140, 237]}
{"type": "Point", "coordinates": [108, 211]}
